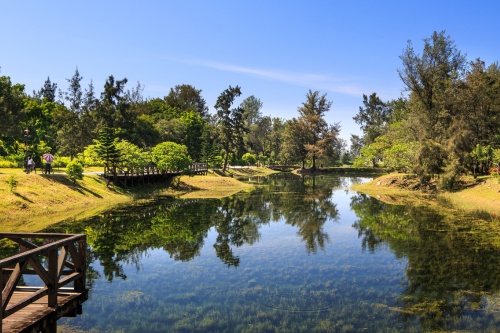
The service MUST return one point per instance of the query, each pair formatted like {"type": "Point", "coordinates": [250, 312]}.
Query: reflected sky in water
{"type": "Point", "coordinates": [299, 254]}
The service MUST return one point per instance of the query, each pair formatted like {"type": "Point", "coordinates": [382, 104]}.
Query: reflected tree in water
{"type": "Point", "coordinates": [180, 227]}
{"type": "Point", "coordinates": [449, 267]}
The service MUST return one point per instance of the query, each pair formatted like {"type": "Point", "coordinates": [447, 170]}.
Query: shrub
{"type": "Point", "coordinates": [12, 161]}
{"type": "Point", "coordinates": [12, 182]}
{"type": "Point", "coordinates": [60, 161]}
{"type": "Point", "coordinates": [248, 159]}
{"type": "Point", "coordinates": [74, 170]}
{"type": "Point", "coordinates": [171, 156]}
{"type": "Point", "coordinates": [215, 162]}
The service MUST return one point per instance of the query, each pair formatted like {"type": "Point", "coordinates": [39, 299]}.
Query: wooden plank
{"type": "Point", "coordinates": [38, 315]}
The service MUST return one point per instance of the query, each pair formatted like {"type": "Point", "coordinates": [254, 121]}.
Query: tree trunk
{"type": "Point", "coordinates": [224, 168]}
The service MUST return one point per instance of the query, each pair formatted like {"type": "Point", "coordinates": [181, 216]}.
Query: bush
{"type": "Point", "coordinates": [74, 170]}
{"type": "Point", "coordinates": [171, 156]}
{"type": "Point", "coordinates": [215, 162]}
{"type": "Point", "coordinates": [60, 161]}
{"type": "Point", "coordinates": [90, 157]}
{"type": "Point", "coordinates": [12, 161]}
{"type": "Point", "coordinates": [249, 159]}
{"type": "Point", "coordinates": [12, 182]}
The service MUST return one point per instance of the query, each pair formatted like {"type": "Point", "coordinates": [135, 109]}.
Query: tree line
{"type": "Point", "coordinates": [77, 123]}
{"type": "Point", "coordinates": [446, 124]}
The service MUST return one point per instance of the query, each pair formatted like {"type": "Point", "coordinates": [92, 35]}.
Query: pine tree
{"type": "Point", "coordinates": [108, 151]}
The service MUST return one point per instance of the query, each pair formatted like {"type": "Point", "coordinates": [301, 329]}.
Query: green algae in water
{"type": "Point", "coordinates": [312, 257]}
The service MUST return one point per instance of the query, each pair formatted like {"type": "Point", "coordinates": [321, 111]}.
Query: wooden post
{"type": "Point", "coordinates": [53, 273]}
{"type": "Point", "coordinates": [80, 283]}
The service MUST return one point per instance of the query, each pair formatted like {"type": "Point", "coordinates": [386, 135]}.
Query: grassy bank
{"type": "Point", "coordinates": [40, 200]}
{"type": "Point", "coordinates": [482, 195]}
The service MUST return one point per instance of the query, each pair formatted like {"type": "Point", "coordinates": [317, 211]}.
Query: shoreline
{"type": "Point", "coordinates": [42, 200]}
{"type": "Point", "coordinates": [478, 196]}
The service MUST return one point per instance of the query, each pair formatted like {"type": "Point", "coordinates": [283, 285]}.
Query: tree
{"type": "Point", "coordinates": [48, 91]}
{"type": "Point", "coordinates": [230, 122]}
{"type": "Point", "coordinates": [294, 141]}
{"type": "Point", "coordinates": [320, 135]}
{"type": "Point", "coordinates": [248, 159]}
{"type": "Point", "coordinates": [186, 97]}
{"type": "Point", "coordinates": [373, 118]}
{"type": "Point", "coordinates": [430, 79]}
{"type": "Point", "coordinates": [193, 139]}
{"type": "Point", "coordinates": [251, 106]}
{"type": "Point", "coordinates": [112, 109]}
{"type": "Point", "coordinates": [108, 151]}
{"type": "Point", "coordinates": [171, 156]}
{"type": "Point", "coordinates": [11, 107]}
{"type": "Point", "coordinates": [74, 170]}
{"type": "Point", "coordinates": [75, 123]}
{"type": "Point", "coordinates": [356, 144]}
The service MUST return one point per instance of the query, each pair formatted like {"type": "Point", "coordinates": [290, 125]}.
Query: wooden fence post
{"type": "Point", "coordinates": [53, 273]}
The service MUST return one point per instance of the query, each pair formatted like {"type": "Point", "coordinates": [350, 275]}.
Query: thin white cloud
{"type": "Point", "coordinates": [321, 81]}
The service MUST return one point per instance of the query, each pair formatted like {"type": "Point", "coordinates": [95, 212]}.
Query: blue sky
{"type": "Point", "coordinates": [275, 50]}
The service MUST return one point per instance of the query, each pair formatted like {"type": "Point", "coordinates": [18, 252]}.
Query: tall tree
{"type": "Point", "coordinates": [114, 110]}
{"type": "Point", "coordinates": [71, 136]}
{"type": "Point", "coordinates": [356, 145]}
{"type": "Point", "coordinates": [295, 138]}
{"type": "Point", "coordinates": [11, 107]}
{"type": "Point", "coordinates": [230, 122]}
{"type": "Point", "coordinates": [431, 80]}
{"type": "Point", "coordinates": [373, 118]}
{"type": "Point", "coordinates": [312, 114]}
{"type": "Point", "coordinates": [48, 90]}
{"type": "Point", "coordinates": [186, 97]}
{"type": "Point", "coordinates": [108, 151]}
{"type": "Point", "coordinates": [252, 106]}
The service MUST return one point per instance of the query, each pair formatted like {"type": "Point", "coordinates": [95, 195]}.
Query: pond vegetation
{"type": "Point", "coordinates": [297, 254]}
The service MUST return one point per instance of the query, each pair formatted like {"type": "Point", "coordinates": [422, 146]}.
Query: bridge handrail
{"type": "Point", "coordinates": [60, 270]}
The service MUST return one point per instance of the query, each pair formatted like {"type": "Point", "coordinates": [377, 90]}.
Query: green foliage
{"type": "Point", "coordinates": [320, 138]}
{"type": "Point", "coordinates": [171, 156]}
{"type": "Point", "coordinates": [108, 151]}
{"type": "Point", "coordinates": [194, 126]}
{"type": "Point", "coordinates": [230, 121]}
{"type": "Point", "coordinates": [452, 172]}
{"type": "Point", "coordinates": [60, 161]}
{"type": "Point", "coordinates": [430, 159]}
{"type": "Point", "coordinates": [373, 118]}
{"type": "Point", "coordinates": [249, 159]}
{"type": "Point", "coordinates": [215, 162]}
{"type": "Point", "coordinates": [12, 182]}
{"type": "Point", "coordinates": [74, 170]}
{"type": "Point", "coordinates": [131, 155]}
{"type": "Point", "coordinates": [90, 156]}
{"type": "Point", "coordinates": [12, 161]}
{"type": "Point", "coordinates": [11, 107]}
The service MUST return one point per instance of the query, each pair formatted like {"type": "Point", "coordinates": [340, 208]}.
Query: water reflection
{"type": "Point", "coordinates": [180, 227]}
{"type": "Point", "coordinates": [449, 267]}
{"type": "Point", "coordinates": [304, 255]}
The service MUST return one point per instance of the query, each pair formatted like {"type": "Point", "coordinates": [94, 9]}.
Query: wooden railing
{"type": "Point", "coordinates": [59, 261]}
{"type": "Point", "coordinates": [199, 168]}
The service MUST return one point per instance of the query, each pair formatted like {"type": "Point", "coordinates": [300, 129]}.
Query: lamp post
{"type": "Point", "coordinates": [26, 141]}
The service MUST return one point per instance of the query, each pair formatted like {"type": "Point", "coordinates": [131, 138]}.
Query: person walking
{"type": "Point", "coordinates": [31, 165]}
{"type": "Point", "coordinates": [48, 157]}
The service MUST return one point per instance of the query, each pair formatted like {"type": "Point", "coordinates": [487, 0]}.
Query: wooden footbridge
{"type": "Point", "coordinates": [282, 167]}
{"type": "Point", "coordinates": [130, 176]}
{"type": "Point", "coordinates": [59, 262]}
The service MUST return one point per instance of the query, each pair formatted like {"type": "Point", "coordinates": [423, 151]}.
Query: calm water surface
{"type": "Point", "coordinates": [295, 255]}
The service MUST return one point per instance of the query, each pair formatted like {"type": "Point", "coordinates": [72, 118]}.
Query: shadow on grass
{"type": "Point", "coordinates": [22, 197]}
{"type": "Point", "coordinates": [63, 180]}
{"type": "Point", "coordinates": [221, 173]}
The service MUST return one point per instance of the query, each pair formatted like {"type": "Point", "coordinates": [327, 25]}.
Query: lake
{"type": "Point", "coordinates": [298, 254]}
